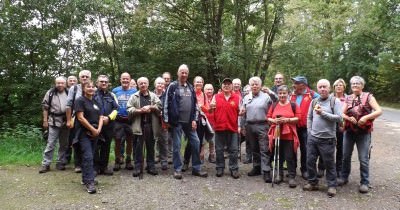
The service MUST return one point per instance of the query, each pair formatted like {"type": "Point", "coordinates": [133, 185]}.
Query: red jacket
{"type": "Point", "coordinates": [304, 105]}
{"type": "Point", "coordinates": [226, 113]}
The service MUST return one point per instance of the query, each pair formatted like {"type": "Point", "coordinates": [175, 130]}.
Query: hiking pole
{"type": "Point", "coordinates": [276, 144]}
{"type": "Point", "coordinates": [278, 139]}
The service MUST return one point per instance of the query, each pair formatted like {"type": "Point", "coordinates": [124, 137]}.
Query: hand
{"type": "Point", "coordinates": [243, 132]}
{"type": "Point", "coordinates": [352, 120]}
{"type": "Point", "coordinates": [69, 124]}
{"type": "Point", "coordinates": [194, 125]}
{"type": "Point", "coordinates": [94, 133]}
{"type": "Point", "coordinates": [318, 109]}
{"type": "Point", "coordinates": [362, 120]}
{"type": "Point", "coordinates": [213, 105]}
{"type": "Point", "coordinates": [45, 124]}
{"type": "Point", "coordinates": [106, 120]}
{"type": "Point", "coordinates": [242, 112]}
{"type": "Point", "coordinates": [146, 109]}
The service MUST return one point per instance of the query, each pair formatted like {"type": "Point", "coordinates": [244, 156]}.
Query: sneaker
{"type": "Point", "coordinates": [310, 187]}
{"type": "Point", "coordinates": [235, 174]}
{"type": "Point", "coordinates": [185, 167]}
{"type": "Point", "coordinates": [267, 177]}
{"type": "Point", "coordinates": [304, 175]}
{"type": "Point", "coordinates": [78, 169]}
{"type": "Point", "coordinates": [136, 172]}
{"type": "Point", "coordinates": [106, 172]}
{"type": "Point", "coordinates": [331, 191]}
{"type": "Point", "coordinates": [255, 171]}
{"type": "Point", "coordinates": [279, 179]}
{"type": "Point", "coordinates": [292, 183]}
{"type": "Point", "coordinates": [44, 169]}
{"type": "Point", "coordinates": [95, 182]}
{"type": "Point", "coordinates": [220, 172]}
{"type": "Point", "coordinates": [178, 175]}
{"type": "Point", "coordinates": [153, 171]}
{"type": "Point", "coordinates": [320, 173]}
{"type": "Point", "coordinates": [91, 189]}
{"type": "Point", "coordinates": [164, 167]}
{"type": "Point", "coordinates": [60, 167]}
{"type": "Point", "coordinates": [128, 165]}
{"type": "Point", "coordinates": [363, 188]}
{"type": "Point", "coordinates": [341, 182]}
{"type": "Point", "coordinates": [211, 159]}
{"type": "Point", "coordinates": [200, 174]}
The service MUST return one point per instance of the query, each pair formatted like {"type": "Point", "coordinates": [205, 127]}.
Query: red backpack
{"type": "Point", "coordinates": [357, 110]}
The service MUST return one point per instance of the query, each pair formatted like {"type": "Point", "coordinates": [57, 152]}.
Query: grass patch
{"type": "Point", "coordinates": [260, 196]}
{"type": "Point", "coordinates": [285, 203]}
{"type": "Point", "coordinates": [21, 145]}
{"type": "Point", "coordinates": [390, 104]}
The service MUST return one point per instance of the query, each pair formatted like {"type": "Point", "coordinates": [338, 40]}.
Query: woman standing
{"type": "Point", "coordinates": [339, 88]}
{"type": "Point", "coordinates": [359, 111]}
{"type": "Point", "coordinates": [90, 123]}
{"type": "Point", "coordinates": [285, 114]}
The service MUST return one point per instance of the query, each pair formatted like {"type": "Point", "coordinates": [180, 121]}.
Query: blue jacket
{"type": "Point", "coordinates": [171, 104]}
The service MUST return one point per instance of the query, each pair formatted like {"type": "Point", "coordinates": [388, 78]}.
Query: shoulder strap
{"type": "Point", "coordinates": [332, 103]}
{"type": "Point", "coordinates": [51, 93]}
{"type": "Point", "coordinates": [314, 102]}
{"type": "Point", "coordinates": [274, 104]}
{"type": "Point", "coordinates": [74, 96]}
{"type": "Point", "coordinates": [293, 105]}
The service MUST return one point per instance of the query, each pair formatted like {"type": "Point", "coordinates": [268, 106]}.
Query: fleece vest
{"type": "Point", "coordinates": [226, 113]}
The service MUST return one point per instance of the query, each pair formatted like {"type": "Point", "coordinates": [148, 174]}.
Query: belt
{"type": "Point", "coordinates": [257, 122]}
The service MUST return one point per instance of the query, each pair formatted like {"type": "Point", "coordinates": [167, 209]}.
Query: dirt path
{"type": "Point", "coordinates": [21, 187]}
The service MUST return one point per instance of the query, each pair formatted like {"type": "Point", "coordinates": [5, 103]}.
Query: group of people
{"type": "Point", "coordinates": [273, 122]}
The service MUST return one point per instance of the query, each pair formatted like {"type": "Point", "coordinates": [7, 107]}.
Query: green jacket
{"type": "Point", "coordinates": [133, 106]}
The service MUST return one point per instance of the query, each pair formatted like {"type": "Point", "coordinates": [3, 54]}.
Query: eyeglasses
{"type": "Point", "coordinates": [103, 82]}
{"type": "Point", "coordinates": [278, 78]}
{"type": "Point", "coordinates": [356, 83]}
{"type": "Point", "coordinates": [84, 76]}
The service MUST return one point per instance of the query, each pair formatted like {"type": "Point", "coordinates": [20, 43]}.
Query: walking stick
{"type": "Point", "coordinates": [276, 151]}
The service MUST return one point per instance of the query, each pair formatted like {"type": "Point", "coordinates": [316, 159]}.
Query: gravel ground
{"type": "Point", "coordinates": [21, 187]}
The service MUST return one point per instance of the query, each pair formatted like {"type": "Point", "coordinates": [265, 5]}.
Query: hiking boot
{"type": "Point", "coordinates": [95, 182]}
{"type": "Point", "coordinates": [78, 169]}
{"type": "Point", "coordinates": [279, 179]}
{"type": "Point", "coordinates": [235, 174]}
{"type": "Point", "coordinates": [200, 174]}
{"type": "Point", "coordinates": [220, 172]}
{"type": "Point", "coordinates": [60, 167]}
{"type": "Point", "coordinates": [44, 169]}
{"type": "Point", "coordinates": [267, 177]}
{"type": "Point", "coordinates": [117, 166]}
{"type": "Point", "coordinates": [292, 183]}
{"type": "Point", "coordinates": [177, 175]}
{"type": "Point", "coordinates": [320, 173]}
{"type": "Point", "coordinates": [304, 175]}
{"type": "Point", "coordinates": [247, 161]}
{"type": "Point", "coordinates": [106, 172]}
{"type": "Point", "coordinates": [185, 167]}
{"type": "Point", "coordinates": [211, 158]}
{"type": "Point", "coordinates": [341, 182]}
{"type": "Point", "coordinates": [128, 164]}
{"type": "Point", "coordinates": [310, 187]}
{"type": "Point", "coordinates": [91, 189]}
{"type": "Point", "coordinates": [331, 191]}
{"type": "Point", "coordinates": [153, 171]}
{"type": "Point", "coordinates": [164, 167]}
{"type": "Point", "coordinates": [363, 188]}
{"type": "Point", "coordinates": [136, 172]}
{"type": "Point", "coordinates": [255, 171]}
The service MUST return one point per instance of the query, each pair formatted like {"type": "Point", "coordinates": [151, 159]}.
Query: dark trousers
{"type": "Point", "coordinates": [87, 146]}
{"type": "Point", "coordinates": [287, 153]}
{"type": "Point", "coordinates": [339, 155]}
{"type": "Point", "coordinates": [257, 136]}
{"type": "Point", "coordinates": [102, 153]}
{"type": "Point", "coordinates": [74, 149]}
{"type": "Point", "coordinates": [302, 133]}
{"type": "Point", "coordinates": [201, 130]}
{"type": "Point", "coordinates": [146, 138]}
{"type": "Point", "coordinates": [229, 139]}
{"type": "Point", "coordinates": [325, 148]}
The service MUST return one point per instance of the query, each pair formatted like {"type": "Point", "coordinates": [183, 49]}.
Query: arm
{"type": "Point", "coordinates": [87, 125]}
{"type": "Point", "coordinates": [337, 115]}
{"type": "Point", "coordinates": [377, 111]}
{"type": "Point", "coordinates": [309, 118]}
{"type": "Point", "coordinates": [69, 107]}
{"type": "Point", "coordinates": [45, 106]}
{"type": "Point", "coordinates": [156, 107]}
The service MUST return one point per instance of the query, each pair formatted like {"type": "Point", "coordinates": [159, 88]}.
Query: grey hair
{"type": "Point", "coordinates": [72, 77]}
{"type": "Point", "coordinates": [198, 77]}
{"type": "Point", "coordinates": [102, 76]}
{"type": "Point", "coordinates": [237, 80]}
{"type": "Point", "coordinates": [208, 85]}
{"type": "Point", "coordinates": [85, 72]}
{"type": "Point", "coordinates": [255, 80]}
{"type": "Point", "coordinates": [357, 79]}
{"type": "Point", "coordinates": [283, 88]}
{"type": "Point", "coordinates": [158, 79]}
{"type": "Point", "coordinates": [142, 78]}
{"type": "Point", "coordinates": [61, 78]}
{"type": "Point", "coordinates": [182, 67]}
{"type": "Point", "coordinates": [325, 81]}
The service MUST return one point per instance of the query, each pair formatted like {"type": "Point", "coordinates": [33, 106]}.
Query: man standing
{"type": "Point", "coordinates": [74, 93]}
{"type": "Point", "coordinates": [302, 95]}
{"type": "Point", "coordinates": [71, 81]}
{"type": "Point", "coordinates": [109, 108]}
{"type": "Point", "coordinates": [144, 107]}
{"type": "Point", "coordinates": [254, 109]}
{"type": "Point", "coordinates": [179, 112]}
{"type": "Point", "coordinates": [54, 105]}
{"type": "Point", "coordinates": [279, 80]}
{"type": "Point", "coordinates": [122, 127]}
{"type": "Point", "coordinates": [323, 115]}
{"type": "Point", "coordinates": [226, 108]}
{"type": "Point", "coordinates": [167, 78]}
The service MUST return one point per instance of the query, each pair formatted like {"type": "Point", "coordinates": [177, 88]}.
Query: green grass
{"type": "Point", "coordinates": [389, 104]}
{"type": "Point", "coordinates": [22, 145]}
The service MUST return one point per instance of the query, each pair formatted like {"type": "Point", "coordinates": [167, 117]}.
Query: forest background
{"type": "Point", "coordinates": [42, 39]}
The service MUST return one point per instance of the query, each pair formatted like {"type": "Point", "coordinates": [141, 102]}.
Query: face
{"type": "Point", "coordinates": [72, 81]}
{"type": "Point", "coordinates": [167, 78]}
{"type": "Point", "coordinates": [102, 83]}
{"type": "Point", "coordinates": [227, 87]}
{"type": "Point", "coordinates": [160, 85]}
{"type": "Point", "coordinates": [236, 85]}
{"type": "Point", "coordinates": [143, 85]}
{"type": "Point", "coordinates": [183, 75]}
{"type": "Point", "coordinates": [125, 80]}
{"type": "Point", "coordinates": [299, 87]}
{"type": "Point", "coordinates": [90, 89]}
{"type": "Point", "coordinates": [255, 87]}
{"type": "Point", "coordinates": [283, 96]}
{"type": "Point", "coordinates": [198, 83]}
{"type": "Point", "coordinates": [323, 89]}
{"type": "Point", "coordinates": [132, 84]}
{"type": "Point", "coordinates": [356, 87]}
{"type": "Point", "coordinates": [278, 80]}
{"type": "Point", "coordinates": [339, 88]}
{"type": "Point", "coordinates": [209, 91]}
{"type": "Point", "coordinates": [60, 85]}
{"type": "Point", "coordinates": [83, 78]}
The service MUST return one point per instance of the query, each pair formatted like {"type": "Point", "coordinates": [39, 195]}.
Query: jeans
{"type": "Point", "coordinates": [87, 146]}
{"type": "Point", "coordinates": [201, 130]}
{"type": "Point", "coordinates": [60, 134]}
{"type": "Point", "coordinates": [230, 139]}
{"type": "Point", "coordinates": [194, 144]}
{"type": "Point", "coordinates": [326, 149]}
{"type": "Point", "coordinates": [363, 143]}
